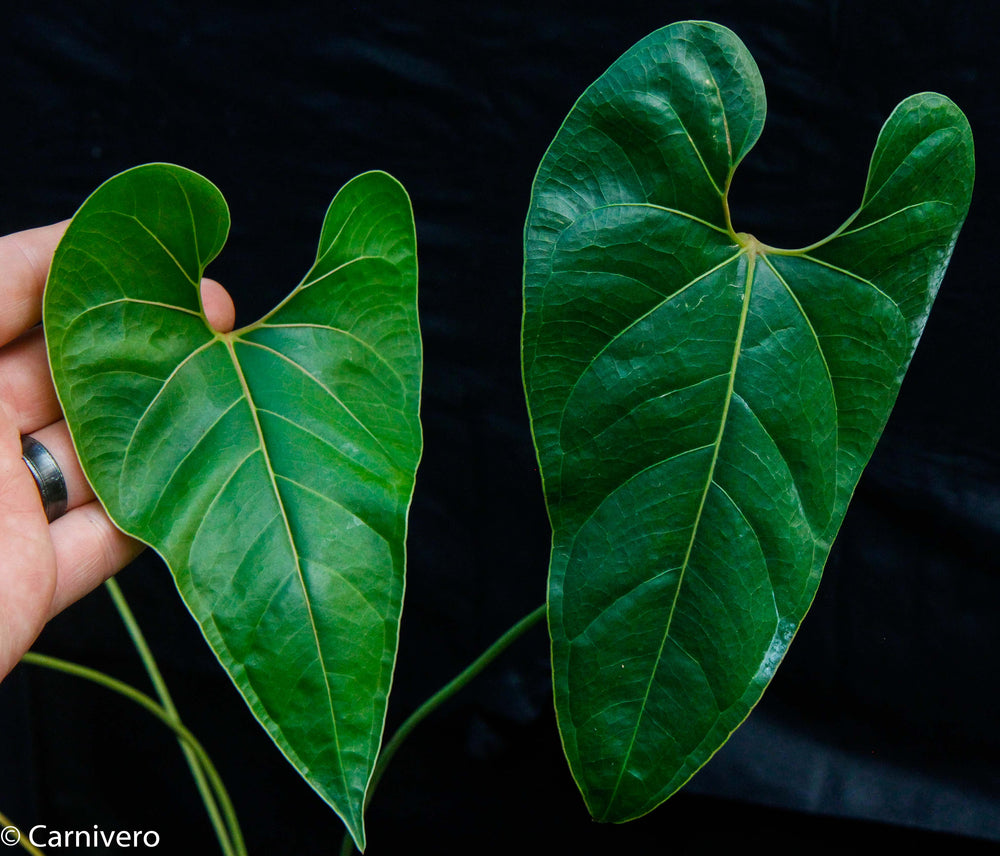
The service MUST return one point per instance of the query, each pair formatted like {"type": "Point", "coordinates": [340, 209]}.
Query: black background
{"type": "Point", "coordinates": [880, 727]}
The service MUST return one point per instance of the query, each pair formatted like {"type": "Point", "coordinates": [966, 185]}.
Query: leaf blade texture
{"type": "Point", "coordinates": [272, 467]}
{"type": "Point", "coordinates": [702, 405]}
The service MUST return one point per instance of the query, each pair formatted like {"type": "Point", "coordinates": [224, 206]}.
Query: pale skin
{"type": "Point", "coordinates": [46, 567]}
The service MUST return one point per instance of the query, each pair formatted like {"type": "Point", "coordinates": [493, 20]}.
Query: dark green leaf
{"type": "Point", "coordinates": [271, 467]}
{"type": "Point", "coordinates": [703, 404]}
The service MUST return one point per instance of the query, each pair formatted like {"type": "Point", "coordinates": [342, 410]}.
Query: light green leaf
{"type": "Point", "coordinates": [703, 404]}
{"type": "Point", "coordinates": [271, 467]}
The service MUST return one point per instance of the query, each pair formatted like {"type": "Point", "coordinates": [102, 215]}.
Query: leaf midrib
{"type": "Point", "coordinates": [751, 263]}
{"type": "Point", "coordinates": [291, 541]}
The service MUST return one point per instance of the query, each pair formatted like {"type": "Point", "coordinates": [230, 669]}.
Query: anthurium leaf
{"type": "Point", "coordinates": [703, 404]}
{"type": "Point", "coordinates": [271, 467]}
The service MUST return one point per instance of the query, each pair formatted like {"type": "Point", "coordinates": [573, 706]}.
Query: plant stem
{"type": "Point", "coordinates": [149, 704]}
{"type": "Point", "coordinates": [440, 697]}
{"type": "Point", "coordinates": [234, 836]}
{"type": "Point", "coordinates": [6, 823]}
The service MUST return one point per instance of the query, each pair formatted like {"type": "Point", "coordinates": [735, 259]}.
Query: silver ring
{"type": "Point", "coordinates": [48, 476]}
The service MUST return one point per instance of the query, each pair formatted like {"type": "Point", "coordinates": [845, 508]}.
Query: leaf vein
{"type": "Point", "coordinates": [159, 243]}
{"type": "Point", "coordinates": [889, 216]}
{"type": "Point", "coordinates": [166, 382]}
{"type": "Point", "coordinates": [308, 283]}
{"type": "Point", "coordinates": [709, 480]}
{"type": "Point", "coordinates": [298, 563]}
{"type": "Point", "coordinates": [630, 326]}
{"type": "Point", "coordinates": [368, 347]}
{"type": "Point", "coordinates": [328, 391]}
{"type": "Point", "coordinates": [204, 435]}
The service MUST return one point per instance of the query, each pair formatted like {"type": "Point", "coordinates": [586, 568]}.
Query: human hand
{"type": "Point", "coordinates": [44, 567]}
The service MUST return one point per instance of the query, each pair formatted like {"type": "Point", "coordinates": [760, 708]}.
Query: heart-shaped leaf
{"type": "Point", "coordinates": [271, 467]}
{"type": "Point", "coordinates": [702, 404]}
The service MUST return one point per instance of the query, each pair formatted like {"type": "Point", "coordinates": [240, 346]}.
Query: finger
{"type": "Point", "coordinates": [24, 264]}
{"type": "Point", "coordinates": [218, 305]}
{"type": "Point", "coordinates": [26, 384]}
{"type": "Point", "coordinates": [27, 560]}
{"type": "Point", "coordinates": [56, 439]}
{"type": "Point", "coordinates": [89, 549]}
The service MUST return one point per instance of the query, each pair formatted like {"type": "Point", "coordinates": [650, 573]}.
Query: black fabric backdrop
{"type": "Point", "coordinates": [879, 727]}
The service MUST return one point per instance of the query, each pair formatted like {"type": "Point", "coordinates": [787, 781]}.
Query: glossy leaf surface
{"type": "Point", "coordinates": [271, 467]}
{"type": "Point", "coordinates": [702, 404]}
